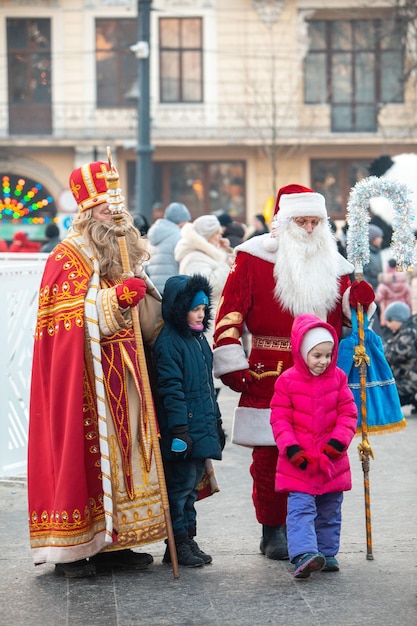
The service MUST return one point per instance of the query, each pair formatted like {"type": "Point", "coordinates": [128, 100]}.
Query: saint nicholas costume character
{"type": "Point", "coordinates": [296, 269]}
{"type": "Point", "coordinates": [93, 490]}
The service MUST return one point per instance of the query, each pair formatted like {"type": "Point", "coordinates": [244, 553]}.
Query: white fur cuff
{"type": "Point", "coordinates": [230, 358]}
{"type": "Point", "coordinates": [252, 427]}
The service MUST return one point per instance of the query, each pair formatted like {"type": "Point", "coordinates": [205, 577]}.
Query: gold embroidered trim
{"type": "Point", "coordinates": [233, 317]}
{"type": "Point", "coordinates": [269, 373]}
{"type": "Point", "coordinates": [283, 344]}
{"type": "Point", "coordinates": [62, 306]}
{"type": "Point", "coordinates": [230, 333]}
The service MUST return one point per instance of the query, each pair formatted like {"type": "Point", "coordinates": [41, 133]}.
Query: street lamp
{"type": "Point", "coordinates": [144, 149]}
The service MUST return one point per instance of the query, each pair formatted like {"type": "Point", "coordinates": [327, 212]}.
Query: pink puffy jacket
{"type": "Point", "coordinates": [307, 411]}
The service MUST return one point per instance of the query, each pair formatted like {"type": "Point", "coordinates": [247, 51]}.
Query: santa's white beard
{"type": "Point", "coordinates": [306, 270]}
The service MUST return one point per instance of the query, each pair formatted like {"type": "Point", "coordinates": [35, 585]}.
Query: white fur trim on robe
{"type": "Point", "coordinates": [229, 358]}
{"type": "Point", "coordinates": [252, 427]}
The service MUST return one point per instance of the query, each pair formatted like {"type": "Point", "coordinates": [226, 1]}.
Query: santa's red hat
{"type": "Point", "coordinates": [295, 201]}
{"type": "Point", "coordinates": [299, 201]}
{"type": "Point", "coordinates": [88, 184]}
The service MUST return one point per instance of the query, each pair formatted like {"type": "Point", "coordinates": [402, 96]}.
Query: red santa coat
{"type": "Point", "coordinates": [308, 411]}
{"type": "Point", "coordinates": [248, 299]}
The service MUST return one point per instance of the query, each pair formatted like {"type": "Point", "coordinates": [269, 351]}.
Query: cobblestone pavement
{"type": "Point", "coordinates": [241, 587]}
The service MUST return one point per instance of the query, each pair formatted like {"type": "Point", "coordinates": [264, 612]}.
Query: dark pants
{"type": "Point", "coordinates": [182, 479]}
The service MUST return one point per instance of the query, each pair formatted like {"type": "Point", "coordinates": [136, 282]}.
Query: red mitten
{"type": "Point", "coordinates": [298, 457]}
{"type": "Point", "coordinates": [238, 381]}
{"type": "Point", "coordinates": [331, 452]}
{"type": "Point", "coordinates": [333, 449]}
{"type": "Point", "coordinates": [361, 292]}
{"type": "Point", "coordinates": [130, 292]}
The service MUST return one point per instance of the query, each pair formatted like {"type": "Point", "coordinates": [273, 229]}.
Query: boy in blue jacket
{"type": "Point", "coordinates": [189, 416]}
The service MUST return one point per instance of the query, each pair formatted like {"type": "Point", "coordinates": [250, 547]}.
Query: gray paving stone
{"type": "Point", "coordinates": [240, 587]}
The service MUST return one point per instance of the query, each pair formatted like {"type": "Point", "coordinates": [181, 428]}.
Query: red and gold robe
{"type": "Point", "coordinates": [92, 479]}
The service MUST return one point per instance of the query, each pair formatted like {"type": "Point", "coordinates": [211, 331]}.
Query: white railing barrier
{"type": "Point", "coordinates": [20, 277]}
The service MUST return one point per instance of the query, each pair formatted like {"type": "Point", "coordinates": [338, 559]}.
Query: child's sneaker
{"type": "Point", "coordinates": [331, 564]}
{"type": "Point", "coordinates": [195, 549]}
{"type": "Point", "coordinates": [307, 563]}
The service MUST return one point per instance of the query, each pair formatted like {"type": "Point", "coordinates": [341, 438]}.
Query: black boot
{"type": "Point", "coordinates": [121, 560]}
{"type": "Point", "coordinates": [184, 554]}
{"type": "Point", "coordinates": [76, 569]}
{"type": "Point", "coordinates": [274, 542]}
{"type": "Point", "coordinates": [195, 549]}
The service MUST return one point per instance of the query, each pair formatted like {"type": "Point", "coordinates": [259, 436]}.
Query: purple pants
{"type": "Point", "coordinates": [313, 523]}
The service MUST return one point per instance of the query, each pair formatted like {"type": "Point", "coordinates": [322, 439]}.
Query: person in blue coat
{"type": "Point", "coordinates": [188, 414]}
{"type": "Point", "coordinates": [163, 236]}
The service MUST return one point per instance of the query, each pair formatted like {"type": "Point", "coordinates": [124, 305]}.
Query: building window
{"type": "Point", "coordinates": [180, 60]}
{"type": "Point", "coordinates": [354, 65]}
{"type": "Point", "coordinates": [204, 187]}
{"type": "Point", "coordinates": [29, 75]}
{"type": "Point", "coordinates": [116, 65]}
{"type": "Point", "coordinates": [334, 179]}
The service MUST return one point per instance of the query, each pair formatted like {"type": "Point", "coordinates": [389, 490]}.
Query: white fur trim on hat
{"type": "Point", "coordinates": [302, 205]}
{"type": "Point", "coordinates": [313, 337]}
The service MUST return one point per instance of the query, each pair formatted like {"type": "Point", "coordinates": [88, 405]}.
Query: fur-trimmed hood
{"type": "Point", "coordinates": [177, 297]}
{"type": "Point", "coordinates": [191, 241]}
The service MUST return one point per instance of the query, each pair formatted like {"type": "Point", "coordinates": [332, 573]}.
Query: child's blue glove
{"type": "Point", "coordinates": [181, 442]}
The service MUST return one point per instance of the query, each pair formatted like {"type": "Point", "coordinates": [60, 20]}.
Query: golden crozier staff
{"type": "Point", "coordinates": [117, 210]}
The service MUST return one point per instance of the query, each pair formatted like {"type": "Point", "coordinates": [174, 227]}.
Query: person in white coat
{"type": "Point", "coordinates": [203, 250]}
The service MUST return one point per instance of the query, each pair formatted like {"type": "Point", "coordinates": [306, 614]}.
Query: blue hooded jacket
{"type": "Point", "coordinates": [183, 365]}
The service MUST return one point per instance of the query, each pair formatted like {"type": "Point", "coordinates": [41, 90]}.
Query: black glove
{"type": "Point", "coordinates": [181, 442]}
{"type": "Point", "coordinates": [221, 433]}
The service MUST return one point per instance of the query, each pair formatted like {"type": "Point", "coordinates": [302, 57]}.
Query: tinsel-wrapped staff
{"type": "Point", "coordinates": [117, 210]}
{"type": "Point", "coordinates": [402, 248]}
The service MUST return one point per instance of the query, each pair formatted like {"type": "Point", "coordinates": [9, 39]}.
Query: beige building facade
{"type": "Point", "coordinates": [245, 96]}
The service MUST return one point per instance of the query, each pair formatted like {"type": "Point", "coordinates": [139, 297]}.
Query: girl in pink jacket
{"type": "Point", "coordinates": [313, 419]}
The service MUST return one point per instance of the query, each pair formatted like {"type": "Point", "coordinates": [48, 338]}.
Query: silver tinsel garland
{"type": "Point", "coordinates": [358, 217]}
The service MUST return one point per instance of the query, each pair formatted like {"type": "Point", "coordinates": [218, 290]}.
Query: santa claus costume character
{"type": "Point", "coordinates": [93, 490]}
{"type": "Point", "coordinates": [296, 269]}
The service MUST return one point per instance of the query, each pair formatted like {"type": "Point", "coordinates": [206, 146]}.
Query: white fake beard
{"type": "Point", "coordinates": [306, 269]}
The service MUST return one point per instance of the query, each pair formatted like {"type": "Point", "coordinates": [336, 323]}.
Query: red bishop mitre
{"type": "Point", "coordinates": [88, 185]}
{"type": "Point", "coordinates": [296, 201]}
